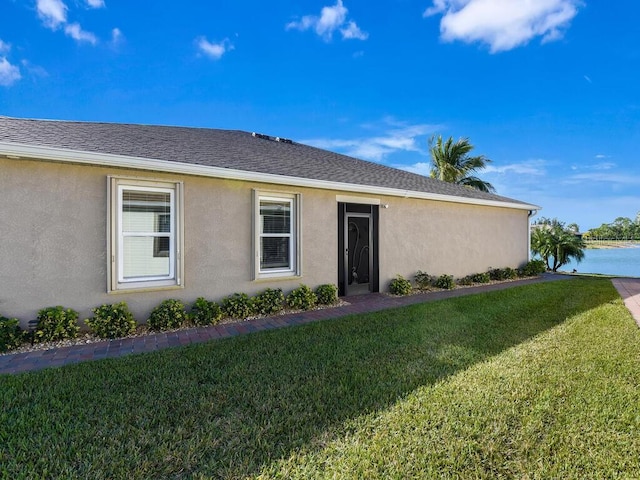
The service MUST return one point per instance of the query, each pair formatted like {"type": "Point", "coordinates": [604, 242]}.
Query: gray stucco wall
{"type": "Point", "coordinates": [54, 238]}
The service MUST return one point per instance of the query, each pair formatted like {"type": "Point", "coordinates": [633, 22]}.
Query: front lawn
{"type": "Point", "coordinates": [539, 381]}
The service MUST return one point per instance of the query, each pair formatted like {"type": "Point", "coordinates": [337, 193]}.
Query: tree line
{"type": "Point", "coordinates": [622, 228]}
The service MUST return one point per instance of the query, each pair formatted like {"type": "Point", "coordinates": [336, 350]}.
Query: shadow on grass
{"type": "Point", "coordinates": [229, 408]}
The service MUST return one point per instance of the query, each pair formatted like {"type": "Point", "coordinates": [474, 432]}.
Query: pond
{"type": "Point", "coordinates": [608, 261]}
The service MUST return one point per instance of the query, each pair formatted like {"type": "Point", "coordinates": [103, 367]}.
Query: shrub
{"type": "Point", "coordinates": [268, 302]}
{"type": "Point", "coordinates": [533, 268]}
{"type": "Point", "coordinates": [423, 280]}
{"type": "Point", "coordinates": [496, 274]}
{"type": "Point", "coordinates": [205, 312]}
{"type": "Point", "coordinates": [56, 323]}
{"type": "Point", "coordinates": [327, 294]}
{"type": "Point", "coordinates": [112, 321]}
{"type": "Point", "coordinates": [445, 282]}
{"type": "Point", "coordinates": [168, 315]}
{"type": "Point", "coordinates": [237, 305]}
{"type": "Point", "coordinates": [11, 335]}
{"type": "Point", "coordinates": [400, 286]}
{"type": "Point", "coordinates": [481, 277]}
{"type": "Point", "coordinates": [510, 273]}
{"type": "Point", "coordinates": [302, 298]}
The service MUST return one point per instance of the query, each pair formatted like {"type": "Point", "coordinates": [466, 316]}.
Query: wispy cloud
{"type": "Point", "coordinates": [9, 73]}
{"type": "Point", "coordinates": [212, 49]}
{"type": "Point", "coordinates": [75, 31]}
{"type": "Point", "coordinates": [53, 13]}
{"type": "Point", "coordinates": [95, 3]}
{"type": "Point", "coordinates": [391, 137]}
{"type": "Point", "coordinates": [529, 167]}
{"type": "Point", "coordinates": [331, 19]}
{"type": "Point", "coordinates": [503, 24]}
{"type": "Point", "coordinates": [116, 37]}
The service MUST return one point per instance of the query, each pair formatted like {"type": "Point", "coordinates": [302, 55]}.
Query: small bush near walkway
{"type": "Point", "coordinates": [11, 335]}
{"type": "Point", "coordinates": [112, 321]}
{"type": "Point", "coordinates": [56, 323]}
{"type": "Point", "coordinates": [168, 315]}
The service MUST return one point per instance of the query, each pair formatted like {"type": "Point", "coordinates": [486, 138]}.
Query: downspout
{"type": "Point", "coordinates": [532, 213]}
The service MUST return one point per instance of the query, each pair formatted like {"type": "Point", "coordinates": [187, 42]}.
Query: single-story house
{"type": "Point", "coordinates": [96, 213]}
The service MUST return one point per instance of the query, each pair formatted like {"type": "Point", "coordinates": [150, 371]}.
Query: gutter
{"type": "Point", "coordinates": [16, 151]}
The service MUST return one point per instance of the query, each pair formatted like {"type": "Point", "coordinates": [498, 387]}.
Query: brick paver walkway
{"type": "Point", "coordinates": [55, 357]}
{"type": "Point", "coordinates": [629, 290]}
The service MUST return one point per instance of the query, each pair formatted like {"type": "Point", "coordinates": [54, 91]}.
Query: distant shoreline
{"type": "Point", "coordinates": [601, 244]}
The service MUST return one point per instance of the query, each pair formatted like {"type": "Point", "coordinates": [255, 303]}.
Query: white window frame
{"type": "Point", "coordinates": [295, 235]}
{"type": "Point", "coordinates": [116, 280]}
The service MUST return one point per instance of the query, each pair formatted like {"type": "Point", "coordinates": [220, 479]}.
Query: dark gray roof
{"type": "Point", "coordinates": [224, 148]}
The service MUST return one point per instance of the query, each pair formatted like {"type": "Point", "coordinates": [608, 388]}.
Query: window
{"type": "Point", "coordinates": [145, 234]}
{"type": "Point", "coordinates": [277, 235]}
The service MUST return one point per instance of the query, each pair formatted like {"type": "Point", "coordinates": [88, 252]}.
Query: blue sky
{"type": "Point", "coordinates": [547, 89]}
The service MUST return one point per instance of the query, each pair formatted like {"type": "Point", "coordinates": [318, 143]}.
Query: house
{"type": "Point", "coordinates": [96, 213]}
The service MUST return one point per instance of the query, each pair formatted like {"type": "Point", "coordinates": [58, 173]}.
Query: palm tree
{"type": "Point", "coordinates": [451, 163]}
{"type": "Point", "coordinates": [556, 245]}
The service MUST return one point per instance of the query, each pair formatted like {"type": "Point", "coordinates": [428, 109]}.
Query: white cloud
{"type": "Point", "coordinates": [503, 24]}
{"type": "Point", "coordinates": [95, 3]}
{"type": "Point", "coordinates": [9, 74]}
{"type": "Point", "coordinates": [531, 167]}
{"type": "Point", "coordinates": [331, 19]}
{"type": "Point", "coordinates": [52, 12]}
{"type": "Point", "coordinates": [353, 31]}
{"type": "Point", "coordinates": [214, 50]}
{"type": "Point", "coordinates": [395, 137]}
{"type": "Point", "coordinates": [116, 36]}
{"type": "Point", "coordinates": [75, 31]}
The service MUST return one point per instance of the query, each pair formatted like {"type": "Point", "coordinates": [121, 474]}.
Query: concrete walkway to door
{"type": "Point", "coordinates": [56, 357]}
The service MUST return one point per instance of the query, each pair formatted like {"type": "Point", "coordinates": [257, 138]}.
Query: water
{"type": "Point", "coordinates": [609, 261]}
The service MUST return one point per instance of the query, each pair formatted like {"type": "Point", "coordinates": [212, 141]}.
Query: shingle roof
{"type": "Point", "coordinates": [224, 148]}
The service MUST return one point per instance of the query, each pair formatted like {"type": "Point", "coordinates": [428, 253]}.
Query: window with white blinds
{"type": "Point", "coordinates": [277, 234]}
{"type": "Point", "coordinates": [145, 236]}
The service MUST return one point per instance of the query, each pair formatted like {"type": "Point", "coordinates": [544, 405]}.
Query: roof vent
{"type": "Point", "coordinates": [267, 137]}
{"type": "Point", "coordinates": [261, 135]}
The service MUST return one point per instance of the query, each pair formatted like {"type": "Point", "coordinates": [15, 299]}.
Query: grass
{"type": "Point", "coordinates": [531, 382]}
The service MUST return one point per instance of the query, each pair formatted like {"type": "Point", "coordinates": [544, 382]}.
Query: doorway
{"type": "Point", "coordinates": [357, 265]}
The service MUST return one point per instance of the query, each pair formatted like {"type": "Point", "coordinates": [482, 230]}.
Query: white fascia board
{"type": "Point", "coordinates": [53, 154]}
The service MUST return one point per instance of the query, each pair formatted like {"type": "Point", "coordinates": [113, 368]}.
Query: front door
{"type": "Point", "coordinates": [357, 248]}
{"type": "Point", "coordinates": [358, 252]}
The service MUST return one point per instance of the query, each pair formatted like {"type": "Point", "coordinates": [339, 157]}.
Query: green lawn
{"type": "Point", "coordinates": [540, 381]}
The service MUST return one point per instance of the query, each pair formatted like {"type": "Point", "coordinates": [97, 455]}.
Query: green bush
{"type": "Point", "coordinates": [533, 268]}
{"type": "Point", "coordinates": [11, 335]}
{"type": "Point", "coordinates": [237, 305]}
{"type": "Point", "coordinates": [445, 282]}
{"type": "Point", "coordinates": [268, 302]}
{"type": "Point", "coordinates": [400, 286]}
{"type": "Point", "coordinates": [481, 277]}
{"type": "Point", "coordinates": [56, 323]}
{"type": "Point", "coordinates": [205, 312]}
{"type": "Point", "coordinates": [302, 298]}
{"type": "Point", "coordinates": [510, 273]}
{"type": "Point", "coordinates": [327, 294]}
{"type": "Point", "coordinates": [499, 274]}
{"type": "Point", "coordinates": [423, 280]}
{"type": "Point", "coordinates": [168, 315]}
{"type": "Point", "coordinates": [112, 321]}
